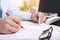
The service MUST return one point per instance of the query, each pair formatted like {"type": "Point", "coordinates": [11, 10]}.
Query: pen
{"type": "Point", "coordinates": [9, 15]}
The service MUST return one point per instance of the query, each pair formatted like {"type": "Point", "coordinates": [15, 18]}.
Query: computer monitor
{"type": "Point", "coordinates": [50, 6]}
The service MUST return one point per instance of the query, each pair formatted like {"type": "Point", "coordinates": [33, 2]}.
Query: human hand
{"type": "Point", "coordinates": [38, 17]}
{"type": "Point", "coordinates": [9, 25]}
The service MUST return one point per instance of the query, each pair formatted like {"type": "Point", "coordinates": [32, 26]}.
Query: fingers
{"type": "Point", "coordinates": [40, 20]}
{"type": "Point", "coordinates": [17, 20]}
{"type": "Point", "coordinates": [9, 25]}
{"type": "Point", "coordinates": [12, 23]}
{"type": "Point", "coordinates": [12, 29]}
{"type": "Point", "coordinates": [34, 17]}
{"type": "Point", "coordinates": [42, 17]}
{"type": "Point", "coordinates": [5, 32]}
{"type": "Point", "coordinates": [8, 30]}
{"type": "Point", "coordinates": [38, 17]}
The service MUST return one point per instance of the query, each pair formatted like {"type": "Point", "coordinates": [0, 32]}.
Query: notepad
{"type": "Point", "coordinates": [31, 31]}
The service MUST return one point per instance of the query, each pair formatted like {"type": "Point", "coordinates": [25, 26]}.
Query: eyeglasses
{"type": "Point", "coordinates": [46, 34]}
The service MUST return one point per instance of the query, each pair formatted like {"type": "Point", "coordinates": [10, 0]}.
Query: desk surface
{"type": "Point", "coordinates": [56, 33]}
{"type": "Point", "coordinates": [31, 31]}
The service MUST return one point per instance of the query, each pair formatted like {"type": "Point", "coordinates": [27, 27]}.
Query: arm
{"type": "Point", "coordinates": [28, 16]}
{"type": "Point", "coordinates": [6, 6]}
{"type": "Point", "coordinates": [22, 15]}
{"type": "Point", "coordinates": [8, 24]}
{"type": "Point", "coordinates": [14, 11]}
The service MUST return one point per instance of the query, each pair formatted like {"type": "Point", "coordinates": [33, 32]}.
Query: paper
{"type": "Point", "coordinates": [31, 31]}
{"type": "Point", "coordinates": [56, 32]}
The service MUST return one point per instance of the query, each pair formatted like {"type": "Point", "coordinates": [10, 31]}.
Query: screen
{"type": "Point", "coordinates": [52, 6]}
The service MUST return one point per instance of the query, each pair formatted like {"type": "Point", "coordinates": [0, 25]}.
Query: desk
{"type": "Point", "coordinates": [31, 31]}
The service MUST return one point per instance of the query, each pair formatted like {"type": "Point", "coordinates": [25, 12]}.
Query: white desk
{"type": "Point", "coordinates": [31, 31]}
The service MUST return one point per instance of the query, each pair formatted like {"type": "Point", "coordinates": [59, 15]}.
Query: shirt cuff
{"type": "Point", "coordinates": [22, 15]}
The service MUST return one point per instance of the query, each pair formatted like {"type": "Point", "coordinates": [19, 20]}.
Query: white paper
{"type": "Point", "coordinates": [31, 31]}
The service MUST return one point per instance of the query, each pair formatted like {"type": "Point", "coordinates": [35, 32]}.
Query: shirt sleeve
{"type": "Point", "coordinates": [4, 7]}
{"type": "Point", "coordinates": [21, 14]}
{"type": "Point", "coordinates": [7, 6]}
{"type": "Point", "coordinates": [0, 12]}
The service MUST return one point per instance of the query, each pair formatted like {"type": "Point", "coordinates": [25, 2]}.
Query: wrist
{"type": "Point", "coordinates": [33, 15]}
{"type": "Point", "coordinates": [0, 20]}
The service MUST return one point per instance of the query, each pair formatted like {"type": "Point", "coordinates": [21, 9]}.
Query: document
{"type": "Point", "coordinates": [30, 31]}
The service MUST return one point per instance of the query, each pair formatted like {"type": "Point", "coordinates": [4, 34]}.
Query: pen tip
{"type": "Point", "coordinates": [7, 14]}
{"type": "Point", "coordinates": [21, 26]}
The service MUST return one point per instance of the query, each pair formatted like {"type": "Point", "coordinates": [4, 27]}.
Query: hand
{"type": "Point", "coordinates": [9, 24]}
{"type": "Point", "coordinates": [38, 16]}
